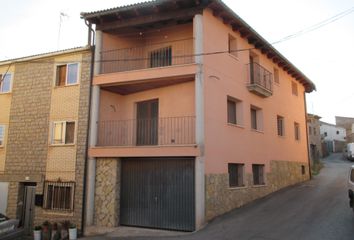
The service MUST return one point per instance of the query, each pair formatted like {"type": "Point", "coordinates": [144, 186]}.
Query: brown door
{"type": "Point", "coordinates": [147, 122]}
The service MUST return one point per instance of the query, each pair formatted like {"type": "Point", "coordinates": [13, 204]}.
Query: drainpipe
{"type": "Point", "coordinates": [90, 43]}
{"type": "Point", "coordinates": [307, 139]}
{"type": "Point", "coordinates": [92, 141]}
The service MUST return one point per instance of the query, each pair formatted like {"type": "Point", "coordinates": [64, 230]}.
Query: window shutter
{"type": "Point", "coordinates": [61, 75]}
{"type": "Point", "coordinates": [70, 132]}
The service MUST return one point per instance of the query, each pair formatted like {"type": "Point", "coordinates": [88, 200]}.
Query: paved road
{"type": "Point", "coordinates": [316, 210]}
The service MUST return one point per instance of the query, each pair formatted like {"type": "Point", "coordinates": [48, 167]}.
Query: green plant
{"type": "Point", "coordinates": [38, 228]}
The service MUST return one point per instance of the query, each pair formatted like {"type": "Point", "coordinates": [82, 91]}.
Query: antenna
{"type": "Point", "coordinates": [62, 15]}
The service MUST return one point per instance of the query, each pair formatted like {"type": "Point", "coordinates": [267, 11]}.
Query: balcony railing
{"type": "Point", "coordinates": [148, 56]}
{"type": "Point", "coordinates": [145, 132]}
{"type": "Point", "coordinates": [260, 80]}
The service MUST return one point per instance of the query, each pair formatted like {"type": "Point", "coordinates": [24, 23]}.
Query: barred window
{"type": "Point", "coordinates": [59, 196]}
{"type": "Point", "coordinates": [280, 126]}
{"type": "Point", "coordinates": [258, 174]}
{"type": "Point", "coordinates": [297, 131]}
{"type": "Point", "coordinates": [236, 174]}
{"type": "Point", "coordinates": [161, 57]}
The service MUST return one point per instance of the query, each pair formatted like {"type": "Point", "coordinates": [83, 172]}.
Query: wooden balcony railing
{"type": "Point", "coordinates": [144, 132]}
{"type": "Point", "coordinates": [148, 56]}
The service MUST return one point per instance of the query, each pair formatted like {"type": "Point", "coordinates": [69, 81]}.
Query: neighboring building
{"type": "Point", "coordinates": [333, 136]}
{"type": "Point", "coordinates": [193, 114]}
{"type": "Point", "coordinates": [348, 124]}
{"type": "Point", "coordinates": [43, 133]}
{"type": "Point", "coordinates": [314, 137]}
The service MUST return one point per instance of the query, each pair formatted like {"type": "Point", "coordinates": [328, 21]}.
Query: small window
{"type": "Point", "coordinates": [233, 46]}
{"type": "Point", "coordinates": [314, 131]}
{"type": "Point", "coordinates": [352, 175]}
{"type": "Point", "coordinates": [67, 74]}
{"type": "Point", "coordinates": [5, 83]}
{"type": "Point", "coordinates": [2, 135]}
{"type": "Point", "coordinates": [59, 196]}
{"type": "Point", "coordinates": [161, 57]}
{"type": "Point", "coordinates": [234, 111]}
{"type": "Point", "coordinates": [325, 133]}
{"type": "Point", "coordinates": [303, 170]}
{"type": "Point", "coordinates": [310, 130]}
{"type": "Point", "coordinates": [280, 126]}
{"type": "Point", "coordinates": [337, 132]}
{"type": "Point", "coordinates": [63, 133]}
{"type": "Point", "coordinates": [297, 131]}
{"type": "Point", "coordinates": [256, 118]}
{"type": "Point", "coordinates": [276, 75]}
{"type": "Point", "coordinates": [236, 174]}
{"type": "Point", "coordinates": [258, 174]}
{"type": "Point", "coordinates": [294, 88]}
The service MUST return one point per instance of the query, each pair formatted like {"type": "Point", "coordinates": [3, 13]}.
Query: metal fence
{"type": "Point", "coordinates": [148, 56]}
{"type": "Point", "coordinates": [260, 76]}
{"type": "Point", "coordinates": [143, 132]}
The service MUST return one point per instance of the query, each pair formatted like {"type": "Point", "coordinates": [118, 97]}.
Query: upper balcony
{"type": "Point", "coordinates": [164, 54]}
{"type": "Point", "coordinates": [260, 80]}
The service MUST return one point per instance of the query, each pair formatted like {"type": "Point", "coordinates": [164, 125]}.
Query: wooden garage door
{"type": "Point", "coordinates": [158, 193]}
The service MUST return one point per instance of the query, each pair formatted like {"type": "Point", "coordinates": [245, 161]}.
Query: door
{"type": "Point", "coordinates": [147, 122]}
{"type": "Point", "coordinates": [28, 208]}
{"type": "Point", "coordinates": [158, 193]}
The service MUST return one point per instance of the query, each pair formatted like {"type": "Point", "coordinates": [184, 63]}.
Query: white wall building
{"type": "Point", "coordinates": [334, 135]}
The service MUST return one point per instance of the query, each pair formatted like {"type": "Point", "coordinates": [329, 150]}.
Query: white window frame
{"type": "Point", "coordinates": [63, 131]}
{"type": "Point", "coordinates": [1, 82]}
{"type": "Point", "coordinates": [2, 137]}
{"type": "Point", "coordinates": [66, 74]}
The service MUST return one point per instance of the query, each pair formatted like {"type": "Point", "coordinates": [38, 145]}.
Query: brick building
{"type": "Point", "coordinates": [44, 103]}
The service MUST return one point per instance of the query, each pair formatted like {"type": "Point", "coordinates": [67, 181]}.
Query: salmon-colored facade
{"type": "Point", "coordinates": [201, 85]}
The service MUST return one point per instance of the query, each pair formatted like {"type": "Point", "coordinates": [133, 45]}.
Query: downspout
{"type": "Point", "coordinates": [307, 138]}
{"type": "Point", "coordinates": [91, 36]}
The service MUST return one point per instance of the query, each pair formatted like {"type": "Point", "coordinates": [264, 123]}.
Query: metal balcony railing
{"type": "Point", "coordinates": [260, 76]}
{"type": "Point", "coordinates": [144, 132]}
{"type": "Point", "coordinates": [148, 56]}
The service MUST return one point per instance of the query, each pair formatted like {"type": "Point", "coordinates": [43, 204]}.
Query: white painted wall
{"type": "Point", "coordinates": [333, 132]}
{"type": "Point", "coordinates": [4, 189]}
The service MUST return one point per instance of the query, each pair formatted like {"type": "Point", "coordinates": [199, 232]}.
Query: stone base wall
{"type": "Point", "coordinates": [107, 192]}
{"type": "Point", "coordinates": [220, 198]}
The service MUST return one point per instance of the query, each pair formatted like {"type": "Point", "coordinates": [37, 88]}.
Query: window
{"type": "Point", "coordinates": [310, 130]}
{"type": "Point", "coordinates": [67, 74]}
{"type": "Point", "coordinates": [297, 131]}
{"type": "Point", "coordinates": [232, 46]}
{"type": "Point", "coordinates": [280, 126]}
{"type": "Point", "coordinates": [294, 88]}
{"type": "Point", "coordinates": [276, 75]}
{"type": "Point", "coordinates": [59, 195]}
{"type": "Point", "coordinates": [314, 131]}
{"type": "Point", "coordinates": [234, 111]}
{"type": "Point", "coordinates": [256, 118]}
{"type": "Point", "coordinates": [337, 132]}
{"type": "Point", "coordinates": [352, 175]}
{"type": "Point", "coordinates": [303, 170]}
{"type": "Point", "coordinates": [258, 174]}
{"type": "Point", "coordinates": [236, 174]}
{"type": "Point", "coordinates": [161, 57]}
{"type": "Point", "coordinates": [2, 135]}
{"type": "Point", "coordinates": [325, 133]}
{"type": "Point", "coordinates": [5, 83]}
{"type": "Point", "coordinates": [63, 132]}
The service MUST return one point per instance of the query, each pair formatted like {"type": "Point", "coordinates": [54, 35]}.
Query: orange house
{"type": "Point", "coordinates": [193, 114]}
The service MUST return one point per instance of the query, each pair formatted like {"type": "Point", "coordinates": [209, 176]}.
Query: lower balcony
{"type": "Point", "coordinates": [168, 136]}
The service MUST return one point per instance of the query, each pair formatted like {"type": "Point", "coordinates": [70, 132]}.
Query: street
{"type": "Point", "coordinates": [317, 209]}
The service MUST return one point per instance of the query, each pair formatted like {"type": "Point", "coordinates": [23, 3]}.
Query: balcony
{"type": "Point", "coordinates": [167, 131]}
{"type": "Point", "coordinates": [179, 52]}
{"type": "Point", "coordinates": [260, 80]}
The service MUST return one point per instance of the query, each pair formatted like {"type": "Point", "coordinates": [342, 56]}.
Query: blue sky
{"type": "Point", "coordinates": [324, 55]}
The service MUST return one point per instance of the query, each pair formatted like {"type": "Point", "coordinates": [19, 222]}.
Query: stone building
{"type": "Point", "coordinates": [44, 110]}
{"type": "Point", "coordinates": [348, 124]}
{"type": "Point", "coordinates": [314, 137]}
{"type": "Point", "coordinates": [194, 114]}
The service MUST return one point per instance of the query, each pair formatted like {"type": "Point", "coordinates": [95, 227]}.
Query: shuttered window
{"type": "Point", "coordinates": [67, 74]}
{"type": "Point", "coordinates": [280, 126]}
{"type": "Point", "coordinates": [258, 174]}
{"type": "Point", "coordinates": [236, 174]}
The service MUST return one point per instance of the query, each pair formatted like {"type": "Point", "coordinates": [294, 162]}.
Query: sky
{"type": "Point", "coordinates": [324, 55]}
